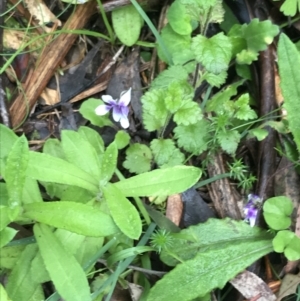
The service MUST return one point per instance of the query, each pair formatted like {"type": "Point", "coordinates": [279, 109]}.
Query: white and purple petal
{"type": "Point", "coordinates": [124, 122]}
{"type": "Point", "coordinates": [102, 109]}
{"type": "Point", "coordinates": [117, 113]}
{"type": "Point", "coordinates": [124, 110]}
{"type": "Point", "coordinates": [108, 99]}
{"type": "Point", "coordinates": [125, 98]}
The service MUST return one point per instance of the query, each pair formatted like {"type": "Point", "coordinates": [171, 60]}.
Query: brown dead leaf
{"type": "Point", "coordinates": [41, 13]}
{"type": "Point", "coordinates": [135, 291]}
{"type": "Point", "coordinates": [251, 286]}
{"type": "Point", "coordinates": [13, 39]}
{"type": "Point", "coordinates": [288, 286]}
{"type": "Point", "coordinates": [50, 97]}
{"type": "Point", "coordinates": [174, 208]}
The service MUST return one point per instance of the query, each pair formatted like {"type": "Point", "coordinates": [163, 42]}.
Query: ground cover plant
{"type": "Point", "coordinates": [149, 150]}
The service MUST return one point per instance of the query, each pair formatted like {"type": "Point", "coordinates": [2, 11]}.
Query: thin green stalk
{"type": "Point", "coordinates": [162, 131]}
{"type": "Point", "coordinates": [137, 200]}
{"type": "Point", "coordinates": [123, 264]}
{"type": "Point", "coordinates": [105, 20]}
{"type": "Point", "coordinates": [154, 31]}
{"type": "Point", "coordinates": [212, 179]}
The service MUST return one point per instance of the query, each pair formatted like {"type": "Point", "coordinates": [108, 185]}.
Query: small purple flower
{"type": "Point", "coordinates": [251, 208]}
{"type": "Point", "coordinates": [119, 107]}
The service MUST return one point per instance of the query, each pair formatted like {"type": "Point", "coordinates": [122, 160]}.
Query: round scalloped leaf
{"type": "Point", "coordinates": [277, 212]}
{"type": "Point", "coordinates": [179, 20]}
{"type": "Point", "coordinates": [281, 240]}
{"type": "Point", "coordinates": [287, 242]}
{"type": "Point", "coordinates": [127, 24]}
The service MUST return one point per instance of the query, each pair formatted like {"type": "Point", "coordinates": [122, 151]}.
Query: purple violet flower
{"type": "Point", "coordinates": [119, 107]}
{"type": "Point", "coordinates": [251, 208]}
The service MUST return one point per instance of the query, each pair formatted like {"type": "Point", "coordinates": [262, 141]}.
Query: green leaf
{"type": "Point", "coordinates": [127, 24]}
{"type": "Point", "coordinates": [93, 138]}
{"type": "Point", "coordinates": [155, 113]}
{"type": "Point", "coordinates": [210, 236]}
{"type": "Point", "coordinates": [65, 272]}
{"type": "Point", "coordinates": [80, 152]}
{"type": "Point", "coordinates": [53, 147]}
{"type": "Point", "coordinates": [287, 242]}
{"type": "Point", "coordinates": [178, 18]}
{"type": "Point", "coordinates": [7, 140]}
{"type": "Point", "coordinates": [173, 74]}
{"type": "Point", "coordinates": [138, 158]}
{"type": "Point", "coordinates": [281, 240]}
{"type": "Point", "coordinates": [290, 7]}
{"type": "Point", "coordinates": [64, 192]}
{"type": "Point", "coordinates": [174, 42]}
{"type": "Point", "coordinates": [3, 195]}
{"type": "Point", "coordinates": [72, 243]}
{"type": "Point", "coordinates": [123, 212]}
{"type": "Point", "coordinates": [6, 235]}
{"type": "Point", "coordinates": [208, 270]}
{"type": "Point", "coordinates": [3, 294]}
{"type": "Point", "coordinates": [259, 34]}
{"type": "Point", "coordinates": [216, 103]}
{"type": "Point", "coordinates": [21, 285]}
{"type": "Point", "coordinates": [246, 56]}
{"type": "Point", "coordinates": [15, 171]}
{"type": "Point", "coordinates": [165, 152]}
{"type": "Point", "coordinates": [215, 80]}
{"type": "Point", "coordinates": [289, 65]}
{"type": "Point", "coordinates": [188, 113]}
{"type": "Point", "coordinates": [194, 137]}
{"type": "Point", "coordinates": [174, 97]}
{"type": "Point", "coordinates": [46, 168]}
{"type": "Point", "coordinates": [89, 247]}
{"type": "Point", "coordinates": [108, 163]}
{"type": "Point", "coordinates": [87, 110]}
{"type": "Point", "coordinates": [75, 217]}
{"type": "Point", "coordinates": [205, 11]}
{"type": "Point", "coordinates": [185, 60]}
{"type": "Point", "coordinates": [122, 139]}
{"type": "Point", "coordinates": [31, 191]}
{"type": "Point", "coordinates": [229, 140]}
{"type": "Point", "coordinates": [259, 133]}
{"type": "Point", "coordinates": [160, 182]}
{"type": "Point", "coordinates": [292, 249]}
{"type": "Point", "coordinates": [277, 211]}
{"type": "Point", "coordinates": [243, 110]}
{"type": "Point", "coordinates": [213, 53]}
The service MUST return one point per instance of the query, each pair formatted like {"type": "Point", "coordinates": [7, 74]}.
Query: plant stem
{"type": "Point", "coordinates": [210, 180]}
{"type": "Point", "coordinates": [105, 20]}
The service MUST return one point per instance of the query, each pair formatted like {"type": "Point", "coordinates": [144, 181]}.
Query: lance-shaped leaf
{"type": "Point", "coordinates": [289, 66]}
{"type": "Point", "coordinates": [46, 168]}
{"type": "Point", "coordinates": [208, 270]}
{"type": "Point", "coordinates": [15, 171]}
{"type": "Point", "coordinates": [108, 163]}
{"type": "Point", "coordinates": [65, 272]}
{"type": "Point", "coordinates": [123, 212]}
{"type": "Point", "coordinates": [75, 217]}
{"type": "Point", "coordinates": [21, 286]}
{"type": "Point", "coordinates": [80, 152]}
{"type": "Point", "coordinates": [160, 182]}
